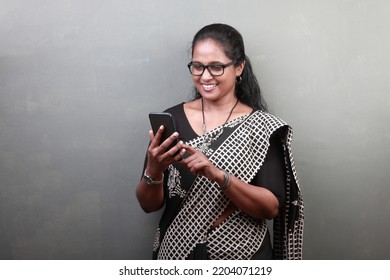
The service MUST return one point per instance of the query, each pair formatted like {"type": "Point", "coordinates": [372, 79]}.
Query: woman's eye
{"type": "Point", "coordinates": [197, 66]}
{"type": "Point", "coordinates": [215, 67]}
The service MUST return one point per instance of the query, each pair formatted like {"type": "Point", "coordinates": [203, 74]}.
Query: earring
{"type": "Point", "coordinates": [238, 80]}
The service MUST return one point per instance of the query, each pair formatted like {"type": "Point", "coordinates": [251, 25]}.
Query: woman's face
{"type": "Point", "coordinates": [209, 52]}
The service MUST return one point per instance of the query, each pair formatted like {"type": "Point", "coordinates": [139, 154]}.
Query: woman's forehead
{"type": "Point", "coordinates": [208, 49]}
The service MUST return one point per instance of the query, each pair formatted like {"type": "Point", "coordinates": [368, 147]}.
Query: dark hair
{"type": "Point", "coordinates": [247, 86]}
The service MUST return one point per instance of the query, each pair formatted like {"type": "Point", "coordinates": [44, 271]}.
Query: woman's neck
{"type": "Point", "coordinates": [221, 106]}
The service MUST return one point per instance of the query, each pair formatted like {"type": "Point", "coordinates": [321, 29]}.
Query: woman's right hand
{"type": "Point", "coordinates": [151, 198]}
{"type": "Point", "coordinates": [158, 158]}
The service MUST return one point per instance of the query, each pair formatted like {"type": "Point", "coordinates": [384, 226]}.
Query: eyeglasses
{"type": "Point", "coordinates": [197, 69]}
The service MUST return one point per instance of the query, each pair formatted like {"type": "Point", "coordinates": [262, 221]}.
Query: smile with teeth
{"type": "Point", "coordinates": [209, 86]}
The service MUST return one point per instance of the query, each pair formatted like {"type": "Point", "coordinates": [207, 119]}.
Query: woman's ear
{"type": "Point", "coordinates": [240, 68]}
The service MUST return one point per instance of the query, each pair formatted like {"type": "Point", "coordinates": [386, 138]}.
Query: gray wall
{"type": "Point", "coordinates": [78, 78]}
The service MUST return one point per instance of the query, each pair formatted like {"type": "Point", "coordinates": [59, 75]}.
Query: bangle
{"type": "Point", "coordinates": [226, 181]}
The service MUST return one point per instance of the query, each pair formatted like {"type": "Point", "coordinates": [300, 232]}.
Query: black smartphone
{"type": "Point", "coordinates": [165, 119]}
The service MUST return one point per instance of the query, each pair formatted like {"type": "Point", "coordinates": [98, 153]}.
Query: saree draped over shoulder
{"type": "Point", "coordinates": [193, 203]}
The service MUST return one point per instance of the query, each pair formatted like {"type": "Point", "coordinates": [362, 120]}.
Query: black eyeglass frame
{"type": "Point", "coordinates": [210, 65]}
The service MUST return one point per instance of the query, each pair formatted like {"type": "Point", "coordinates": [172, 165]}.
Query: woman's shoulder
{"type": "Point", "coordinates": [268, 117]}
{"type": "Point", "coordinates": [270, 122]}
{"type": "Point", "coordinates": [176, 109]}
{"type": "Point", "coordinates": [185, 109]}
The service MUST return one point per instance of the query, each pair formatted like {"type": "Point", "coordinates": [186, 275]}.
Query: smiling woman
{"type": "Point", "coordinates": [208, 54]}
{"type": "Point", "coordinates": [238, 170]}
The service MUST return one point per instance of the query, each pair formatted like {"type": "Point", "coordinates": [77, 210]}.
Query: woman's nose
{"type": "Point", "coordinates": [206, 74]}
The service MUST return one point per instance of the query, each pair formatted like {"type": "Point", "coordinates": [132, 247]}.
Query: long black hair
{"type": "Point", "coordinates": [247, 86]}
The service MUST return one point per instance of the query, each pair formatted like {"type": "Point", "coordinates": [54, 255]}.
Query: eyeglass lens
{"type": "Point", "coordinates": [197, 69]}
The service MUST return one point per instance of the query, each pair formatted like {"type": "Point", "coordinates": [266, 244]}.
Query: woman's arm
{"type": "Point", "coordinates": [256, 199]}
{"type": "Point", "coordinates": [151, 197]}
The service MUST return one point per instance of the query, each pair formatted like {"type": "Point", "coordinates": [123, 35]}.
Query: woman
{"type": "Point", "coordinates": [231, 170]}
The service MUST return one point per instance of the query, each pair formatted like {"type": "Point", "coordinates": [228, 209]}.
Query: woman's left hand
{"type": "Point", "coordinates": [256, 201]}
{"type": "Point", "coordinates": [197, 163]}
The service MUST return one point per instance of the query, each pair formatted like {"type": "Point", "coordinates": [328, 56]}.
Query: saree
{"type": "Point", "coordinates": [193, 203]}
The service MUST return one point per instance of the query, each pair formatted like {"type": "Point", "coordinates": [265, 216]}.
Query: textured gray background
{"type": "Point", "coordinates": [78, 78]}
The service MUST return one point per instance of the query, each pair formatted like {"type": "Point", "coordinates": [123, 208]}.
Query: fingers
{"type": "Point", "coordinates": [180, 154]}
{"type": "Point", "coordinates": [195, 161]}
{"type": "Point", "coordinates": [160, 156]}
{"type": "Point", "coordinates": [191, 153]}
{"type": "Point", "coordinates": [151, 135]}
{"type": "Point", "coordinates": [155, 139]}
{"type": "Point", "coordinates": [188, 152]}
{"type": "Point", "coordinates": [168, 151]}
{"type": "Point", "coordinates": [168, 144]}
{"type": "Point", "coordinates": [165, 153]}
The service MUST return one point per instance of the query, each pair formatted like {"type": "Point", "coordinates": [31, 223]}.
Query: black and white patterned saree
{"type": "Point", "coordinates": [242, 147]}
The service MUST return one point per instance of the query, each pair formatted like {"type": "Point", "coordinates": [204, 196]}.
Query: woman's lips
{"type": "Point", "coordinates": [208, 87]}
